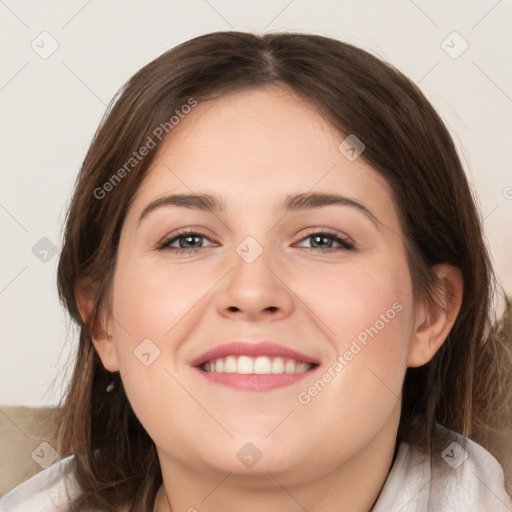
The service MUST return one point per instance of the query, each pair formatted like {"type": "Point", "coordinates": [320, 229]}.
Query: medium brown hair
{"type": "Point", "coordinates": [464, 387]}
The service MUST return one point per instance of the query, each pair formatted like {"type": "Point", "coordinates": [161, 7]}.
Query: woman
{"type": "Point", "coordinates": [283, 293]}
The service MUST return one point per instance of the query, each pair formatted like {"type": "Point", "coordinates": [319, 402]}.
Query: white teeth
{"type": "Point", "coordinates": [229, 365]}
{"type": "Point", "coordinates": [262, 365]}
{"type": "Point", "coordinates": [289, 366]}
{"type": "Point", "coordinates": [302, 367]}
{"type": "Point", "coordinates": [278, 365]}
{"type": "Point", "coordinates": [245, 365]}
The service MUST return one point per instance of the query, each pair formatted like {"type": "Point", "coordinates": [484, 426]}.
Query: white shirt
{"type": "Point", "coordinates": [469, 480]}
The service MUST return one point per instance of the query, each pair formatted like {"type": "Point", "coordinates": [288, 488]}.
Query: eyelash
{"type": "Point", "coordinates": [165, 244]}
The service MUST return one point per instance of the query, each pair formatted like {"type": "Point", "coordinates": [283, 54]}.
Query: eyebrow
{"type": "Point", "coordinates": [293, 202]}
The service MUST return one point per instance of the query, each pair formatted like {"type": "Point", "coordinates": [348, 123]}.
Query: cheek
{"type": "Point", "coordinates": [156, 306]}
{"type": "Point", "coordinates": [363, 302]}
{"type": "Point", "coordinates": [148, 305]}
{"type": "Point", "coordinates": [369, 312]}
{"type": "Point", "coordinates": [150, 300]}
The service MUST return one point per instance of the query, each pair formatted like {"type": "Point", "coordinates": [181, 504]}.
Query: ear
{"type": "Point", "coordinates": [433, 321]}
{"type": "Point", "coordinates": [103, 342]}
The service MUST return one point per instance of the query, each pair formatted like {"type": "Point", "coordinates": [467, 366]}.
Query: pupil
{"type": "Point", "coordinates": [188, 239]}
{"type": "Point", "coordinates": [320, 237]}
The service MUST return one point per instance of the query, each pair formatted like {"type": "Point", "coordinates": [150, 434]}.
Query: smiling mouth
{"type": "Point", "coordinates": [261, 365]}
{"type": "Point", "coordinates": [254, 366]}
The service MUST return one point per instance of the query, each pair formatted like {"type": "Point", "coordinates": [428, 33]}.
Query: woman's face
{"type": "Point", "coordinates": [270, 263]}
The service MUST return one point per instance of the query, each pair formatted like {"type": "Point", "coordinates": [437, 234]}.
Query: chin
{"type": "Point", "coordinates": [256, 456]}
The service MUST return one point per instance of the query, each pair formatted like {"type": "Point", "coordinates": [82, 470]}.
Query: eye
{"type": "Point", "coordinates": [187, 241]}
{"type": "Point", "coordinates": [324, 239]}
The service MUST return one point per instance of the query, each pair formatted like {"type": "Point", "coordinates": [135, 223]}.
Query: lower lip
{"type": "Point", "coordinates": [255, 382]}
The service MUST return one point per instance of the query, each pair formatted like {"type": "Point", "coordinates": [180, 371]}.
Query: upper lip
{"type": "Point", "coordinates": [252, 349]}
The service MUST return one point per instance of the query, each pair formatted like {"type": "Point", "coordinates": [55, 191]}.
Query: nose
{"type": "Point", "coordinates": [255, 290]}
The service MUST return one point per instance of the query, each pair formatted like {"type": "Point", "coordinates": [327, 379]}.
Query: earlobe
{"type": "Point", "coordinates": [102, 340]}
{"type": "Point", "coordinates": [435, 320]}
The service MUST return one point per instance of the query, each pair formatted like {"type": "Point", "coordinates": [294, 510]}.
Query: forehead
{"type": "Point", "coordinates": [259, 144]}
